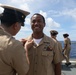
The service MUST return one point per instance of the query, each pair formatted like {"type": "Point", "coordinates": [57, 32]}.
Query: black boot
{"type": "Point", "coordinates": [67, 64]}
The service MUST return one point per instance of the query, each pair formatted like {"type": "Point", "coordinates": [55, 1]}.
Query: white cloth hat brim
{"type": "Point", "coordinates": [17, 9]}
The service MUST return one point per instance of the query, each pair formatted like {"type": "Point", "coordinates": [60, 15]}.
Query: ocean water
{"type": "Point", "coordinates": [73, 49]}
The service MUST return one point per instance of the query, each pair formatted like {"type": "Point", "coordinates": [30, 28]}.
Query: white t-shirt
{"type": "Point", "coordinates": [37, 41]}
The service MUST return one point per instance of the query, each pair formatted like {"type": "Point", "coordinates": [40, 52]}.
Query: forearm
{"type": "Point", "coordinates": [27, 46]}
{"type": "Point", "coordinates": [65, 47]}
{"type": "Point", "coordinates": [58, 69]}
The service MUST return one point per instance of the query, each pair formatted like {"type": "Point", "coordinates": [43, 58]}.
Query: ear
{"type": "Point", "coordinates": [44, 24]}
{"type": "Point", "coordinates": [15, 25]}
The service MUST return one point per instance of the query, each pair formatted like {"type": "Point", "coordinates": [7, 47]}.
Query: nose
{"type": "Point", "coordinates": [36, 23]}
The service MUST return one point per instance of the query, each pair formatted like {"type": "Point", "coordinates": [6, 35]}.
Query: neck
{"type": "Point", "coordinates": [37, 36]}
{"type": "Point", "coordinates": [7, 29]}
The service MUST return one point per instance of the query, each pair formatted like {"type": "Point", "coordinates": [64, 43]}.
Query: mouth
{"type": "Point", "coordinates": [36, 27]}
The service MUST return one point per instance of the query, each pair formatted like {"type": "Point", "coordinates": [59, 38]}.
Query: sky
{"type": "Point", "coordinates": [60, 15]}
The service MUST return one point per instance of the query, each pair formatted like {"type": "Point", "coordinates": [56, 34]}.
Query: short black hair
{"type": "Point", "coordinates": [12, 15]}
{"type": "Point", "coordinates": [40, 15]}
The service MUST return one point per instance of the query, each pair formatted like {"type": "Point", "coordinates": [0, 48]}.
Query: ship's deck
{"type": "Point", "coordinates": [71, 69]}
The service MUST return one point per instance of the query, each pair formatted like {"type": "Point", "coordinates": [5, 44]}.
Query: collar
{"type": "Point", "coordinates": [44, 39]}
